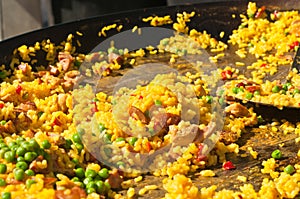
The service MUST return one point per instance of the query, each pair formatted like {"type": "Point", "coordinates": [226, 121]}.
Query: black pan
{"type": "Point", "coordinates": [214, 17]}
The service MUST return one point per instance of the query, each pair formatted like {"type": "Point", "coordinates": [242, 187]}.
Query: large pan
{"type": "Point", "coordinates": [214, 17]}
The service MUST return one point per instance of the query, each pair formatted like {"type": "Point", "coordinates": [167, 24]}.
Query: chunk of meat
{"type": "Point", "coordinates": [24, 107]}
{"type": "Point", "coordinates": [163, 121]}
{"type": "Point", "coordinates": [61, 99]}
{"type": "Point", "coordinates": [136, 113]}
{"type": "Point", "coordinates": [186, 135]}
{"type": "Point", "coordinates": [25, 68]}
{"type": "Point", "coordinates": [75, 193]}
{"type": "Point", "coordinates": [65, 59]}
{"type": "Point", "coordinates": [115, 179]}
{"type": "Point", "coordinates": [70, 79]}
{"type": "Point", "coordinates": [237, 110]}
{"type": "Point", "coordinates": [200, 91]}
{"type": "Point", "coordinates": [295, 28]}
{"type": "Point", "coordinates": [113, 57]}
{"type": "Point", "coordinates": [8, 127]}
{"type": "Point", "coordinates": [53, 70]}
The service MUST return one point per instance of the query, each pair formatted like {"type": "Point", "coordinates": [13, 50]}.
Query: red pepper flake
{"type": "Point", "coordinates": [18, 89]}
{"type": "Point", "coordinates": [141, 97]}
{"type": "Point", "coordinates": [260, 12]}
{"type": "Point", "coordinates": [252, 89]}
{"type": "Point", "coordinates": [228, 165]}
{"type": "Point", "coordinates": [1, 105]}
{"type": "Point", "coordinates": [148, 146]}
{"type": "Point", "coordinates": [133, 94]}
{"type": "Point", "coordinates": [56, 122]}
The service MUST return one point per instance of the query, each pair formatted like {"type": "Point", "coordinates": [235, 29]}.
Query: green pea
{"type": "Point", "coordinates": [249, 96]}
{"type": "Point", "coordinates": [27, 146]}
{"type": "Point", "coordinates": [87, 180]}
{"type": "Point", "coordinates": [3, 151]}
{"type": "Point", "coordinates": [76, 161]}
{"type": "Point", "coordinates": [20, 140]}
{"type": "Point", "coordinates": [67, 144]}
{"type": "Point", "coordinates": [19, 174]}
{"type": "Point", "coordinates": [20, 151]}
{"type": "Point", "coordinates": [22, 165]}
{"type": "Point", "coordinates": [235, 90]}
{"type": "Point", "coordinates": [29, 182]}
{"type": "Point", "coordinates": [120, 139]}
{"type": "Point", "coordinates": [132, 141]}
{"type": "Point", "coordinates": [103, 173]}
{"type": "Point", "coordinates": [46, 144]}
{"type": "Point", "coordinates": [90, 173]}
{"type": "Point", "coordinates": [75, 179]}
{"type": "Point", "coordinates": [79, 172]}
{"type": "Point", "coordinates": [286, 86]}
{"type": "Point", "coordinates": [10, 156]}
{"type": "Point", "coordinates": [76, 138]}
{"type": "Point", "coordinates": [12, 144]}
{"type": "Point", "coordinates": [6, 195]}
{"type": "Point", "coordinates": [100, 187]}
{"type": "Point", "coordinates": [2, 182]}
{"type": "Point", "coordinates": [90, 190]}
{"type": "Point", "coordinates": [209, 99]}
{"type": "Point", "coordinates": [3, 122]}
{"type": "Point", "coordinates": [107, 185]}
{"type": "Point", "coordinates": [3, 74]}
{"type": "Point", "coordinates": [20, 159]}
{"type": "Point", "coordinates": [107, 138]}
{"type": "Point", "coordinates": [34, 144]}
{"type": "Point", "coordinates": [276, 154]}
{"type": "Point", "coordinates": [120, 163]}
{"type": "Point", "coordinates": [260, 119]}
{"type": "Point", "coordinates": [256, 93]}
{"type": "Point", "coordinates": [3, 168]}
{"type": "Point", "coordinates": [275, 89]}
{"type": "Point", "coordinates": [221, 101]}
{"type": "Point", "coordinates": [101, 127]}
{"type": "Point", "coordinates": [91, 184]}
{"type": "Point", "coordinates": [79, 146]}
{"type": "Point", "coordinates": [29, 172]}
{"type": "Point", "coordinates": [296, 90]}
{"type": "Point", "coordinates": [2, 145]}
{"type": "Point", "coordinates": [30, 156]}
{"type": "Point", "coordinates": [289, 169]}
{"type": "Point", "coordinates": [157, 102]}
{"type": "Point", "coordinates": [240, 90]}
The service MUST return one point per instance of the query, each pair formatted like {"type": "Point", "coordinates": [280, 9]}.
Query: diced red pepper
{"type": "Point", "coordinates": [200, 156]}
{"type": "Point", "coordinates": [294, 45]}
{"type": "Point", "coordinates": [263, 65]}
{"type": "Point", "coordinates": [18, 89]}
{"type": "Point", "coordinates": [252, 89]}
{"type": "Point", "coordinates": [260, 12]}
{"type": "Point", "coordinates": [56, 122]}
{"type": "Point", "coordinates": [95, 108]}
{"type": "Point", "coordinates": [148, 146]}
{"type": "Point", "coordinates": [228, 165]}
{"type": "Point", "coordinates": [241, 84]}
{"type": "Point", "coordinates": [141, 97]}
{"type": "Point", "coordinates": [226, 74]}
{"type": "Point", "coordinates": [1, 105]}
